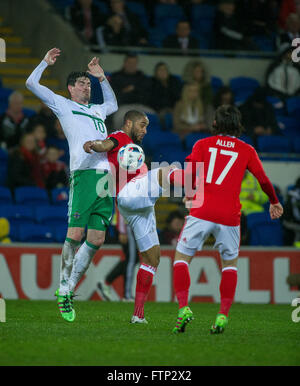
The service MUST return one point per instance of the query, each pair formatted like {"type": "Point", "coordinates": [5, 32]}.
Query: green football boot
{"type": "Point", "coordinates": [220, 324]}
{"type": "Point", "coordinates": [185, 315]}
{"type": "Point", "coordinates": [65, 305]}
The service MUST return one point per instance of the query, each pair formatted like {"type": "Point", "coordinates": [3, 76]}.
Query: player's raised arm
{"type": "Point", "coordinates": [98, 146]}
{"type": "Point", "coordinates": [32, 83]}
{"type": "Point", "coordinates": [109, 97]}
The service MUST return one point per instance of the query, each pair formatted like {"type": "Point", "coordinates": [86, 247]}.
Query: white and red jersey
{"type": "Point", "coordinates": [225, 161]}
{"type": "Point", "coordinates": [122, 177]}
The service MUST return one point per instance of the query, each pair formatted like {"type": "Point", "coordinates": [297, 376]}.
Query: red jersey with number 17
{"type": "Point", "coordinates": [225, 160]}
{"type": "Point", "coordinates": [122, 176]}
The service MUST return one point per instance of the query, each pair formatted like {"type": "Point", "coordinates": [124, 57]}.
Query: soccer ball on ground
{"type": "Point", "coordinates": [131, 157]}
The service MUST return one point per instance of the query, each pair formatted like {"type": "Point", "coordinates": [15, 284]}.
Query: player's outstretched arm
{"type": "Point", "coordinates": [98, 146]}
{"type": "Point", "coordinates": [109, 97]}
{"type": "Point", "coordinates": [276, 210]}
{"type": "Point", "coordinates": [33, 82]}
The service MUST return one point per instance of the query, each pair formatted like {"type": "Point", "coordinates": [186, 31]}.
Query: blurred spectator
{"type": "Point", "coordinates": [194, 71]}
{"type": "Point", "coordinates": [291, 216]}
{"type": "Point", "coordinates": [258, 115]}
{"type": "Point", "coordinates": [165, 89]}
{"type": "Point", "coordinates": [54, 171]}
{"type": "Point", "coordinates": [182, 39]}
{"type": "Point", "coordinates": [24, 165]}
{"type": "Point", "coordinates": [174, 224]}
{"type": "Point", "coordinates": [132, 88]}
{"type": "Point", "coordinates": [60, 141]}
{"type": "Point", "coordinates": [229, 29]}
{"type": "Point", "coordinates": [292, 30]}
{"type": "Point", "coordinates": [259, 17]}
{"type": "Point", "coordinates": [4, 231]}
{"type": "Point", "coordinates": [189, 114]}
{"type": "Point", "coordinates": [39, 133]}
{"type": "Point", "coordinates": [283, 75]}
{"type": "Point", "coordinates": [46, 117]}
{"type": "Point", "coordinates": [224, 96]}
{"type": "Point", "coordinates": [86, 18]}
{"type": "Point", "coordinates": [115, 34]}
{"type": "Point", "coordinates": [287, 7]}
{"type": "Point", "coordinates": [13, 122]}
{"type": "Point", "coordinates": [131, 23]}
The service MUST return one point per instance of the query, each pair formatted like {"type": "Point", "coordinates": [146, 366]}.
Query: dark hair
{"type": "Point", "coordinates": [133, 115]}
{"type": "Point", "coordinates": [73, 76]}
{"type": "Point", "coordinates": [228, 121]}
{"type": "Point", "coordinates": [219, 94]}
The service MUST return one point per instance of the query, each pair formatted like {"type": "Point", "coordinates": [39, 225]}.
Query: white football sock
{"type": "Point", "coordinates": [67, 257]}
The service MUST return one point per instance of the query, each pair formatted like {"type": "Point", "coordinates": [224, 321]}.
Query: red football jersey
{"type": "Point", "coordinates": [225, 160]}
{"type": "Point", "coordinates": [122, 176]}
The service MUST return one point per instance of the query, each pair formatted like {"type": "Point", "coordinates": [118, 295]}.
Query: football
{"type": "Point", "coordinates": [131, 157]}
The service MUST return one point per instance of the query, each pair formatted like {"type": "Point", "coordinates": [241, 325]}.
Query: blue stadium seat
{"type": "Point", "coordinates": [296, 145]}
{"type": "Point", "coordinates": [170, 154]}
{"type": "Point", "coordinates": [243, 83]}
{"type": "Point", "coordinates": [203, 19]}
{"type": "Point", "coordinates": [51, 214]}
{"type": "Point", "coordinates": [263, 230]}
{"type": "Point", "coordinates": [60, 196]}
{"type": "Point", "coordinates": [17, 214]}
{"type": "Point", "coordinates": [293, 106]}
{"type": "Point", "coordinates": [265, 43]}
{"type": "Point", "coordinates": [29, 112]}
{"type": "Point", "coordinates": [289, 126]}
{"type": "Point", "coordinates": [5, 196]}
{"type": "Point", "coordinates": [31, 195]}
{"type": "Point", "coordinates": [277, 104]}
{"type": "Point", "coordinates": [60, 232]}
{"type": "Point", "coordinates": [154, 122]}
{"type": "Point", "coordinates": [216, 83]}
{"type": "Point", "coordinates": [159, 139]}
{"type": "Point", "coordinates": [191, 139]}
{"type": "Point", "coordinates": [163, 12]}
{"type": "Point", "coordinates": [168, 121]}
{"type": "Point", "coordinates": [140, 10]}
{"type": "Point", "coordinates": [247, 139]}
{"type": "Point", "coordinates": [36, 233]}
{"type": "Point", "coordinates": [273, 144]}
{"type": "Point", "coordinates": [3, 166]}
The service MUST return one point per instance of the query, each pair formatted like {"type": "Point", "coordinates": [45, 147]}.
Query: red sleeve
{"type": "Point", "coordinates": [256, 168]}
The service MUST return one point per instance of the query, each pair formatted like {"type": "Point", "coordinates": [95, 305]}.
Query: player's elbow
{"type": "Point", "coordinates": [29, 84]}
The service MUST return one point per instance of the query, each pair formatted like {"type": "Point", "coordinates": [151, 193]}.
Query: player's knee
{"type": "Point", "coordinates": [75, 233]}
{"type": "Point", "coordinates": [96, 237]}
{"type": "Point", "coordinates": [229, 262]}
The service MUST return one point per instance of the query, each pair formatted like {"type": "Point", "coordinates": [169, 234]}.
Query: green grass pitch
{"type": "Point", "coordinates": [35, 334]}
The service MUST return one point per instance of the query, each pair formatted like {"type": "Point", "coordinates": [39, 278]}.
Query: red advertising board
{"type": "Point", "coordinates": [32, 272]}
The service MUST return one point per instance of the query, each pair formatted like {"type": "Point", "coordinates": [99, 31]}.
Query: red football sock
{"type": "Point", "coordinates": [182, 282]}
{"type": "Point", "coordinates": [143, 284]}
{"type": "Point", "coordinates": [227, 289]}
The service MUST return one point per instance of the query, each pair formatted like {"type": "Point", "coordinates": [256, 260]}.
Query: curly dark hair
{"type": "Point", "coordinates": [228, 121]}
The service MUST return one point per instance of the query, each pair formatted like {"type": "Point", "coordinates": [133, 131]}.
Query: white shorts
{"type": "Point", "coordinates": [136, 204]}
{"type": "Point", "coordinates": [196, 231]}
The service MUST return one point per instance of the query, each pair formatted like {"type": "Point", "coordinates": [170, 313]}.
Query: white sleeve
{"type": "Point", "coordinates": [109, 98]}
{"type": "Point", "coordinates": [42, 92]}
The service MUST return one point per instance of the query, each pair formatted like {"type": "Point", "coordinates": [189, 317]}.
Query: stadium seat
{"type": "Point", "coordinates": [159, 139]}
{"type": "Point", "coordinates": [51, 215]}
{"type": "Point", "coordinates": [293, 106]}
{"type": "Point", "coordinates": [168, 121]}
{"type": "Point", "coordinates": [36, 233]}
{"type": "Point", "coordinates": [17, 214]}
{"type": "Point", "coordinates": [289, 126]}
{"type": "Point", "coordinates": [29, 112]}
{"type": "Point", "coordinates": [164, 12]}
{"type": "Point", "coordinates": [242, 87]}
{"type": "Point", "coordinates": [140, 10]}
{"type": "Point", "coordinates": [3, 166]}
{"type": "Point", "coordinates": [264, 43]}
{"type": "Point", "coordinates": [154, 122]}
{"type": "Point", "coordinates": [60, 196]}
{"type": "Point", "coordinates": [170, 154]}
{"type": "Point", "coordinates": [59, 232]}
{"type": "Point", "coordinates": [273, 144]}
{"type": "Point", "coordinates": [263, 230]}
{"type": "Point", "coordinates": [191, 139]}
{"type": "Point", "coordinates": [216, 83]}
{"type": "Point", "coordinates": [5, 196]}
{"type": "Point", "coordinates": [247, 139]}
{"type": "Point", "coordinates": [296, 145]}
{"type": "Point", "coordinates": [31, 195]}
{"type": "Point", "coordinates": [202, 17]}
{"type": "Point", "coordinates": [103, 7]}
{"type": "Point", "coordinates": [277, 104]}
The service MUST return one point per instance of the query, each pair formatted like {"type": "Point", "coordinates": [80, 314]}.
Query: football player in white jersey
{"type": "Point", "coordinates": [80, 121]}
